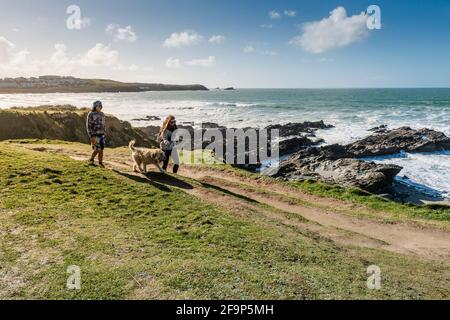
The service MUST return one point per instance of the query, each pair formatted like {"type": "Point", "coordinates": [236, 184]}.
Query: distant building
{"type": "Point", "coordinates": [42, 81]}
{"type": "Point", "coordinates": [8, 84]}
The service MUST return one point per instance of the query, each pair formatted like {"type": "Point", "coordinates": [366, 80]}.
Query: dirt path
{"type": "Point", "coordinates": [240, 195]}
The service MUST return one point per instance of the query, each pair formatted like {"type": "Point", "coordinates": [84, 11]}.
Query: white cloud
{"type": "Point", "coordinates": [15, 29]}
{"type": "Point", "coordinates": [217, 39]}
{"type": "Point", "coordinates": [121, 34]}
{"type": "Point", "coordinates": [290, 13]}
{"type": "Point", "coordinates": [268, 53]}
{"type": "Point", "coordinates": [266, 26]}
{"type": "Point", "coordinates": [252, 49]}
{"type": "Point", "coordinates": [338, 30]}
{"type": "Point", "coordinates": [15, 63]}
{"type": "Point", "coordinates": [274, 15]}
{"type": "Point", "coordinates": [249, 49]}
{"type": "Point", "coordinates": [85, 23]}
{"type": "Point", "coordinates": [173, 63]}
{"type": "Point", "coordinates": [208, 62]}
{"type": "Point", "coordinates": [100, 55]}
{"type": "Point", "coordinates": [6, 50]}
{"type": "Point", "coordinates": [185, 38]}
{"type": "Point", "coordinates": [9, 55]}
{"type": "Point", "coordinates": [121, 67]}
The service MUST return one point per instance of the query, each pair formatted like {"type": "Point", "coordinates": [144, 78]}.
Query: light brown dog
{"type": "Point", "coordinates": [143, 157]}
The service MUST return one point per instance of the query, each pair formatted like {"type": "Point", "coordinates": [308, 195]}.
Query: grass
{"type": "Point", "coordinates": [134, 239]}
{"type": "Point", "coordinates": [439, 212]}
{"type": "Point", "coordinates": [374, 203]}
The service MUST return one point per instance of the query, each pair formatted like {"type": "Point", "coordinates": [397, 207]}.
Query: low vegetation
{"type": "Point", "coordinates": [134, 238]}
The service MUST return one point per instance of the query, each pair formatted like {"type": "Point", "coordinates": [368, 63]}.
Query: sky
{"type": "Point", "coordinates": [245, 44]}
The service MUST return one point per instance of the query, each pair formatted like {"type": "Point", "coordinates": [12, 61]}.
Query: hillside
{"type": "Point", "coordinates": [63, 123]}
{"type": "Point", "coordinates": [74, 85]}
{"type": "Point", "coordinates": [212, 232]}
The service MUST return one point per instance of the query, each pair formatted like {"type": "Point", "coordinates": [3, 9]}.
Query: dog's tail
{"type": "Point", "coordinates": [131, 145]}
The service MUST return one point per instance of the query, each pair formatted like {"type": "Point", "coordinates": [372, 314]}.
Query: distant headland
{"type": "Point", "coordinates": [59, 84]}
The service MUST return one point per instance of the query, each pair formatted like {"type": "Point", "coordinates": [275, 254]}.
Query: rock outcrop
{"type": "Point", "coordinates": [64, 123]}
{"type": "Point", "coordinates": [401, 139]}
{"type": "Point", "coordinates": [297, 128]}
{"type": "Point", "coordinates": [347, 172]}
{"type": "Point", "coordinates": [342, 165]}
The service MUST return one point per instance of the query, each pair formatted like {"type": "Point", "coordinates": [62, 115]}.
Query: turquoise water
{"type": "Point", "coordinates": [352, 111]}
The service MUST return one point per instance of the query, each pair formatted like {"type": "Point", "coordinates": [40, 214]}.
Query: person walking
{"type": "Point", "coordinates": [166, 136]}
{"type": "Point", "coordinates": [96, 128]}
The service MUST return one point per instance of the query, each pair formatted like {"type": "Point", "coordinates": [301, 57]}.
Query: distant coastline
{"type": "Point", "coordinates": [57, 84]}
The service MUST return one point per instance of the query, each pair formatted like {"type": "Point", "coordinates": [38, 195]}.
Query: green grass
{"type": "Point", "coordinates": [135, 239]}
{"type": "Point", "coordinates": [374, 203]}
{"type": "Point", "coordinates": [428, 211]}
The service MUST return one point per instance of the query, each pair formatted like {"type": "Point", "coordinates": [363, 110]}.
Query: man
{"type": "Point", "coordinates": [95, 125]}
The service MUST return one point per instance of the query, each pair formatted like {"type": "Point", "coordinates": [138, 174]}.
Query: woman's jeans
{"type": "Point", "coordinates": [174, 154]}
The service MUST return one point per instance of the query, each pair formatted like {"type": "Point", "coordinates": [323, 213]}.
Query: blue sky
{"type": "Point", "coordinates": [257, 43]}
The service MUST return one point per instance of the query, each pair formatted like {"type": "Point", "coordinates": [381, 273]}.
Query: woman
{"type": "Point", "coordinates": [96, 128]}
{"type": "Point", "coordinates": [167, 144]}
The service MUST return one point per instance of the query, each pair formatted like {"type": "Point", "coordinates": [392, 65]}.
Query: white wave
{"type": "Point", "coordinates": [422, 170]}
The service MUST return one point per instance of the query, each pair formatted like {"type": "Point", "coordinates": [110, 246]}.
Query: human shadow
{"type": "Point", "coordinates": [167, 179]}
{"type": "Point", "coordinates": [144, 179]}
{"type": "Point", "coordinates": [228, 192]}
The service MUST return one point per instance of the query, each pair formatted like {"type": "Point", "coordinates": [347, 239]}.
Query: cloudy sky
{"type": "Point", "coordinates": [251, 43]}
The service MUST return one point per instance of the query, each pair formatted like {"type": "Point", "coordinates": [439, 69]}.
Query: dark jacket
{"type": "Point", "coordinates": [95, 124]}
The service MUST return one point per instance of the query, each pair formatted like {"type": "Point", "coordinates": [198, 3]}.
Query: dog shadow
{"type": "Point", "coordinates": [157, 180]}
{"type": "Point", "coordinates": [169, 180]}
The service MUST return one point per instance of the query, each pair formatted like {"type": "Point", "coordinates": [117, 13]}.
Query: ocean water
{"type": "Point", "coordinates": [351, 111]}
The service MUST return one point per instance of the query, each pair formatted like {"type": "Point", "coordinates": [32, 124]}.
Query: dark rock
{"type": "Point", "coordinates": [401, 139]}
{"type": "Point", "coordinates": [148, 118]}
{"type": "Point", "coordinates": [150, 131]}
{"type": "Point", "coordinates": [369, 176]}
{"type": "Point", "coordinates": [212, 125]}
{"type": "Point", "coordinates": [339, 164]}
{"type": "Point", "coordinates": [295, 129]}
{"type": "Point", "coordinates": [379, 129]}
{"type": "Point", "coordinates": [295, 144]}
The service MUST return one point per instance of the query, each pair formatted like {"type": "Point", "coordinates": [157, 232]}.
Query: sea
{"type": "Point", "coordinates": [351, 111]}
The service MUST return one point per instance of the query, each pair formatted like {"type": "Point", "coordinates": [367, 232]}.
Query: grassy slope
{"type": "Point", "coordinates": [372, 205]}
{"type": "Point", "coordinates": [137, 240]}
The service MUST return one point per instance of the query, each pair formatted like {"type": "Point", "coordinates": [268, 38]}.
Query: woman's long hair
{"type": "Point", "coordinates": [166, 125]}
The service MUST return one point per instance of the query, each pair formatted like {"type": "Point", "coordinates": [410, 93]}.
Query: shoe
{"type": "Point", "coordinates": [101, 165]}
{"type": "Point", "coordinates": [91, 162]}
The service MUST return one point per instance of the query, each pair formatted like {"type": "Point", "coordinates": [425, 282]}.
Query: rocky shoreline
{"type": "Point", "coordinates": [343, 165]}
{"type": "Point", "coordinates": [307, 157]}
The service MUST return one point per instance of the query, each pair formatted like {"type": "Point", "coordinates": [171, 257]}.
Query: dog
{"type": "Point", "coordinates": [143, 157]}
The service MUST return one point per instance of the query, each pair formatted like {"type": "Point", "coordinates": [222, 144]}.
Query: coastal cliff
{"type": "Point", "coordinates": [57, 84]}
{"type": "Point", "coordinates": [66, 123]}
